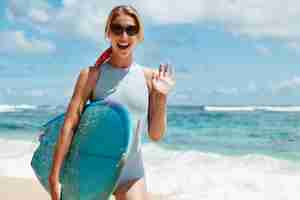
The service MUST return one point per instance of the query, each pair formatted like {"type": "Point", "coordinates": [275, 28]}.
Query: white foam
{"type": "Point", "coordinates": [229, 108]}
{"type": "Point", "coordinates": [24, 106]}
{"type": "Point", "coordinates": [15, 158]}
{"type": "Point", "coordinates": [193, 175]}
{"type": "Point", "coordinates": [252, 108]}
{"type": "Point", "coordinates": [14, 108]}
{"type": "Point", "coordinates": [7, 108]}
{"type": "Point", "coordinates": [279, 108]}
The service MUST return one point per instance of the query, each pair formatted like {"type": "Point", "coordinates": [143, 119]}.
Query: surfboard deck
{"type": "Point", "coordinates": [97, 154]}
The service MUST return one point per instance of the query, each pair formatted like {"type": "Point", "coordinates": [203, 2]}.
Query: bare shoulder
{"type": "Point", "coordinates": [78, 98]}
{"type": "Point", "coordinates": [86, 73]}
{"type": "Point", "coordinates": [83, 76]}
{"type": "Point", "coordinates": [83, 81]}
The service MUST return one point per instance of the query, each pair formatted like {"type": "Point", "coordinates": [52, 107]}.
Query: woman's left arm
{"type": "Point", "coordinates": [159, 85]}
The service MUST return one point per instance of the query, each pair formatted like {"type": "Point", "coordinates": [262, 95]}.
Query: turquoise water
{"type": "Point", "coordinates": [272, 133]}
{"type": "Point", "coordinates": [240, 132]}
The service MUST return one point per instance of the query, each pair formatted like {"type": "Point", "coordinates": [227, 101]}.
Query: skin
{"type": "Point", "coordinates": [136, 189]}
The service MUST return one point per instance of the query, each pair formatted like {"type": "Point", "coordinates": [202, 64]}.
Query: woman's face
{"type": "Point", "coordinates": [123, 35]}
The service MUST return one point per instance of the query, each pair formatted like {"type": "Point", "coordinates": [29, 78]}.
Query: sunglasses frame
{"type": "Point", "coordinates": [119, 29]}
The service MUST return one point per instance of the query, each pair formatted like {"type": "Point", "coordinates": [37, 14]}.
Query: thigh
{"type": "Point", "coordinates": [133, 190]}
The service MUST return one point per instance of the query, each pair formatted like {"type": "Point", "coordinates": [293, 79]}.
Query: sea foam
{"type": "Point", "coordinates": [15, 108]}
{"type": "Point", "coordinates": [252, 108]}
{"type": "Point", "coordinates": [190, 175]}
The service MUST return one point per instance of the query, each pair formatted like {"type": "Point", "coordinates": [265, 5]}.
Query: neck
{"type": "Point", "coordinates": [117, 61]}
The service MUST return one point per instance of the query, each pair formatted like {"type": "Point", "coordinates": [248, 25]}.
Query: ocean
{"type": "Point", "coordinates": [207, 152]}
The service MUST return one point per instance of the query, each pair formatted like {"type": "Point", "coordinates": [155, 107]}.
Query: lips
{"type": "Point", "coordinates": [123, 45]}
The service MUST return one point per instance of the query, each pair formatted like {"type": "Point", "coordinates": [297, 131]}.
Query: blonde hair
{"type": "Point", "coordinates": [128, 10]}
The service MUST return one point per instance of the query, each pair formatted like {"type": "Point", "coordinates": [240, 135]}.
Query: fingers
{"type": "Point", "coordinates": [163, 69]}
{"type": "Point", "coordinates": [166, 70]}
{"type": "Point", "coordinates": [155, 75]}
{"type": "Point", "coordinates": [160, 70]}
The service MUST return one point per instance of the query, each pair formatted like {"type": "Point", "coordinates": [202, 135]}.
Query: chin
{"type": "Point", "coordinates": [124, 54]}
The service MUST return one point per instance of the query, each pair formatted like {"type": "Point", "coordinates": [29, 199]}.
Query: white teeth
{"type": "Point", "coordinates": [123, 45]}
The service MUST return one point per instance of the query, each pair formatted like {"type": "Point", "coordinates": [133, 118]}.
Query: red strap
{"type": "Point", "coordinates": [103, 57]}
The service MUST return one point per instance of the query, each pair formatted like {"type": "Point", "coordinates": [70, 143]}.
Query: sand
{"type": "Point", "coordinates": [30, 189]}
{"type": "Point", "coordinates": [21, 188]}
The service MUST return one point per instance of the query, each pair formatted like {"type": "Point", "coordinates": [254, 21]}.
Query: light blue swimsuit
{"type": "Point", "coordinates": [128, 87]}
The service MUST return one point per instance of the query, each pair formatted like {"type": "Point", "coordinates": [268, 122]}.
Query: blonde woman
{"type": "Point", "coordinates": [117, 77]}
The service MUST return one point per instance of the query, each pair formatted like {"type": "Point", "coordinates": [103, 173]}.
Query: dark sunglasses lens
{"type": "Point", "coordinates": [118, 29]}
{"type": "Point", "coordinates": [132, 30]}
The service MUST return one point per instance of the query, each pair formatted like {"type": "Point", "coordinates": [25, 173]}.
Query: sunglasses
{"type": "Point", "coordinates": [118, 29]}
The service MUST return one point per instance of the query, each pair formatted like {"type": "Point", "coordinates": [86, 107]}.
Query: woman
{"type": "Point", "coordinates": [143, 90]}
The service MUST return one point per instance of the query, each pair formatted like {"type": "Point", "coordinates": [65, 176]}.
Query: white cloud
{"type": "Point", "coordinates": [39, 16]}
{"type": "Point", "coordinates": [291, 84]}
{"type": "Point", "coordinates": [253, 18]}
{"type": "Point", "coordinates": [263, 50]}
{"type": "Point", "coordinates": [295, 46]}
{"type": "Point", "coordinates": [29, 12]}
{"type": "Point", "coordinates": [86, 20]}
{"type": "Point", "coordinates": [17, 42]}
{"type": "Point", "coordinates": [74, 18]}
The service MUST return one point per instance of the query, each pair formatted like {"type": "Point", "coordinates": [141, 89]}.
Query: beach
{"type": "Point", "coordinates": [229, 127]}
{"type": "Point", "coordinates": [211, 154]}
{"type": "Point", "coordinates": [27, 188]}
{"type": "Point", "coordinates": [17, 179]}
{"type": "Point", "coordinates": [175, 175]}
{"type": "Point", "coordinates": [22, 188]}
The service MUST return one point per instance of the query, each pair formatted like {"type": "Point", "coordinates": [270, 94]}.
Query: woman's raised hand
{"type": "Point", "coordinates": [164, 81]}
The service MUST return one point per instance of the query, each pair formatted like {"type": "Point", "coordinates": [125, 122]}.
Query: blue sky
{"type": "Point", "coordinates": [225, 52]}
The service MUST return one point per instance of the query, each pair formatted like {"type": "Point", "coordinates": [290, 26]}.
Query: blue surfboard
{"type": "Point", "coordinates": [99, 149]}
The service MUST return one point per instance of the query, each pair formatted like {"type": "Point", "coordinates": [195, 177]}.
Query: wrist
{"type": "Point", "coordinates": [160, 98]}
{"type": "Point", "coordinates": [159, 93]}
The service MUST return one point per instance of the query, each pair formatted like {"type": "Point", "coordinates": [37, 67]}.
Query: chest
{"type": "Point", "coordinates": [127, 87]}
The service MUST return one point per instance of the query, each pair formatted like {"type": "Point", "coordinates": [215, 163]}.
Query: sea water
{"type": "Point", "coordinates": [207, 152]}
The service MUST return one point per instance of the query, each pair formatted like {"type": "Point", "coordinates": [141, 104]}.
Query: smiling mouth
{"type": "Point", "coordinates": [123, 46]}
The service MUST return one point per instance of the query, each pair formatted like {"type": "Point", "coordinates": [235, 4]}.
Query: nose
{"type": "Point", "coordinates": [124, 35]}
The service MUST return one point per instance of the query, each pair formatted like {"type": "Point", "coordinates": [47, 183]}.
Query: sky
{"type": "Point", "coordinates": [225, 52]}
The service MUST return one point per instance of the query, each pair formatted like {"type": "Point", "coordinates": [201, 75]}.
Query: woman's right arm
{"type": "Point", "coordinates": [72, 118]}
